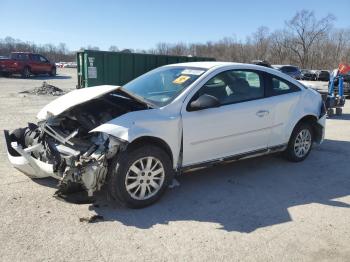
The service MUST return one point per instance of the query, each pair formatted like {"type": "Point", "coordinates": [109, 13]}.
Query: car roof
{"type": "Point", "coordinates": [206, 64]}
{"type": "Point", "coordinates": [217, 64]}
{"type": "Point", "coordinates": [212, 64]}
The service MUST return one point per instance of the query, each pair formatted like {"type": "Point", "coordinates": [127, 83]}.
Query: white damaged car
{"type": "Point", "coordinates": [170, 120]}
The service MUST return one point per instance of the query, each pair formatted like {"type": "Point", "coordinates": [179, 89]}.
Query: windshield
{"type": "Point", "coordinates": [162, 85]}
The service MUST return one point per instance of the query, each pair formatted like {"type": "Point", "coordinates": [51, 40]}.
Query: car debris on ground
{"type": "Point", "coordinates": [92, 219]}
{"type": "Point", "coordinates": [174, 183]}
{"type": "Point", "coordinates": [45, 89]}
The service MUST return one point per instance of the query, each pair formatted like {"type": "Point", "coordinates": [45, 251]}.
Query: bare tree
{"type": "Point", "coordinates": [304, 31]}
{"type": "Point", "coordinates": [162, 48]}
{"type": "Point", "coordinates": [179, 49]}
{"type": "Point", "coordinates": [261, 42]}
{"type": "Point", "coordinates": [113, 48]}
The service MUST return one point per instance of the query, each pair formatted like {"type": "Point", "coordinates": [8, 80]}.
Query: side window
{"type": "Point", "coordinates": [19, 56]}
{"type": "Point", "coordinates": [234, 86]}
{"type": "Point", "coordinates": [26, 57]}
{"type": "Point", "coordinates": [42, 59]}
{"type": "Point", "coordinates": [279, 86]}
{"type": "Point", "coordinates": [36, 58]}
{"type": "Point", "coordinates": [253, 79]}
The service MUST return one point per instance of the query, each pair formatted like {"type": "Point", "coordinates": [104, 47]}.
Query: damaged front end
{"type": "Point", "coordinates": [63, 147]}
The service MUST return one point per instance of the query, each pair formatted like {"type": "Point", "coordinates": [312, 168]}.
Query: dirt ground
{"type": "Point", "coordinates": [262, 209]}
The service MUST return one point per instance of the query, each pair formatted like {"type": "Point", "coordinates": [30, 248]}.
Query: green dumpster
{"type": "Point", "coordinates": [118, 68]}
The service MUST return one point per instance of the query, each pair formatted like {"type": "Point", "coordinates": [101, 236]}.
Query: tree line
{"type": "Point", "coordinates": [54, 53]}
{"type": "Point", "coordinates": [305, 41]}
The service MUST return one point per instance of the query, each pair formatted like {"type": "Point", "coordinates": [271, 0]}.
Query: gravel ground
{"type": "Point", "coordinates": [263, 209]}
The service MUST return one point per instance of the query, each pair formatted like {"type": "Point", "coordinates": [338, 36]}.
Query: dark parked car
{"type": "Point", "coordinates": [26, 64]}
{"type": "Point", "coordinates": [290, 70]}
{"type": "Point", "coordinates": [261, 63]}
{"type": "Point", "coordinates": [308, 75]}
{"type": "Point", "coordinates": [322, 75]}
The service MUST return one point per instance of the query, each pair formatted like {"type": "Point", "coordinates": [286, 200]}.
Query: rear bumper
{"type": "Point", "coordinates": [9, 70]}
{"type": "Point", "coordinates": [22, 160]}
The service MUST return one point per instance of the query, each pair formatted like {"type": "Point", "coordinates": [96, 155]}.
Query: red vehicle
{"type": "Point", "coordinates": [26, 64]}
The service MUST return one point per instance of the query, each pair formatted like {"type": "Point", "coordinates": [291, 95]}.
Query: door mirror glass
{"type": "Point", "coordinates": [203, 102]}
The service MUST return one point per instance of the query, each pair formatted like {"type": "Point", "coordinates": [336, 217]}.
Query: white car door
{"type": "Point", "coordinates": [285, 97]}
{"type": "Point", "coordinates": [241, 124]}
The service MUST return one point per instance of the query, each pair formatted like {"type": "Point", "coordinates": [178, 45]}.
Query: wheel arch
{"type": "Point", "coordinates": [316, 127]}
{"type": "Point", "coordinates": [27, 66]}
{"type": "Point", "coordinates": [152, 140]}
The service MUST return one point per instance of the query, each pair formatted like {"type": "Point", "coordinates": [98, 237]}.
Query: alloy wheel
{"type": "Point", "coordinates": [144, 178]}
{"type": "Point", "coordinates": [302, 143]}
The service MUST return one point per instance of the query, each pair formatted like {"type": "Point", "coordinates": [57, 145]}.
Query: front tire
{"type": "Point", "coordinates": [53, 72]}
{"type": "Point", "coordinates": [139, 177]}
{"type": "Point", "coordinates": [300, 143]}
{"type": "Point", "coordinates": [26, 72]}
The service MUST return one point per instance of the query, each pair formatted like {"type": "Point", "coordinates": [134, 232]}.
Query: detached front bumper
{"type": "Point", "coordinates": [22, 160]}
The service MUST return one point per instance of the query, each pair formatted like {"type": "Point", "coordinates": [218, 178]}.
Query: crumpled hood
{"type": "Point", "coordinates": [73, 98]}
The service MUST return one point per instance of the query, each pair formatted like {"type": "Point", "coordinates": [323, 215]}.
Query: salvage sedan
{"type": "Point", "coordinates": [168, 121]}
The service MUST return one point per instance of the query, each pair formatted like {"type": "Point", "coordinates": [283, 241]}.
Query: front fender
{"type": "Point", "coordinates": [150, 123]}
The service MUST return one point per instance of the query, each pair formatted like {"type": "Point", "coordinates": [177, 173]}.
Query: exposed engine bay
{"type": "Point", "coordinates": [63, 147]}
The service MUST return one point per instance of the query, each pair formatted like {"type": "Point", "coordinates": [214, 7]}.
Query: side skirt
{"type": "Point", "coordinates": [233, 158]}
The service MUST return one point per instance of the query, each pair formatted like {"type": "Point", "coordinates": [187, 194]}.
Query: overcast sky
{"type": "Point", "coordinates": [142, 24]}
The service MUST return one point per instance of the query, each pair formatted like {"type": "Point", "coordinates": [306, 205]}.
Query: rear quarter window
{"type": "Point", "coordinates": [278, 86]}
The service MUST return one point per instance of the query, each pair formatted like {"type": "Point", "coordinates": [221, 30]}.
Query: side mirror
{"type": "Point", "coordinates": [203, 102]}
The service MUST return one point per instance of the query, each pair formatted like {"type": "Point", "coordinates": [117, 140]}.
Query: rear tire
{"type": "Point", "coordinates": [137, 183]}
{"type": "Point", "coordinates": [300, 143]}
{"type": "Point", "coordinates": [6, 74]}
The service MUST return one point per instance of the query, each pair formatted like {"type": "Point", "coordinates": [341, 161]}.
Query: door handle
{"type": "Point", "coordinates": [262, 113]}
